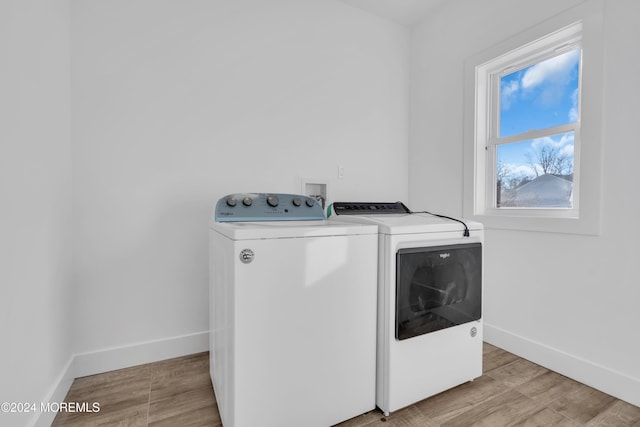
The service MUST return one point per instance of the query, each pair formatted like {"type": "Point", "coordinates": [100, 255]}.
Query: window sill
{"type": "Point", "coordinates": [586, 225]}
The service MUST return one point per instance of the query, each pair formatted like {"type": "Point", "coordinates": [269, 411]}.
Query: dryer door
{"type": "Point", "coordinates": [437, 287]}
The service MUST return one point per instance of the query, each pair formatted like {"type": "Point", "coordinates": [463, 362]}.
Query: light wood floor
{"type": "Point", "coordinates": [512, 392]}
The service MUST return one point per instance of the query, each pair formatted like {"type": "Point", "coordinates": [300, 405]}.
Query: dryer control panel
{"type": "Point", "coordinates": [246, 207]}
{"type": "Point", "coordinates": [369, 208]}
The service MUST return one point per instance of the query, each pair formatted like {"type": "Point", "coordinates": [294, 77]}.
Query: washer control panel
{"type": "Point", "coordinates": [245, 207]}
{"type": "Point", "coordinates": [369, 208]}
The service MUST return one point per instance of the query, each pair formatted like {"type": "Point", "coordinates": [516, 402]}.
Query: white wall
{"type": "Point", "coordinates": [35, 201]}
{"type": "Point", "coordinates": [177, 103]}
{"type": "Point", "coordinates": [568, 301]}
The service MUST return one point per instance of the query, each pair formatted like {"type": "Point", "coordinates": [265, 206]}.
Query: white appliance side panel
{"type": "Point", "coordinates": [382, 346]}
{"type": "Point", "coordinates": [305, 330]}
{"type": "Point", "coordinates": [221, 328]}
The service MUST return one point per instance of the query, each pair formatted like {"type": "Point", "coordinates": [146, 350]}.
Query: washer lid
{"type": "Point", "coordinates": [410, 223]}
{"type": "Point", "coordinates": [290, 229]}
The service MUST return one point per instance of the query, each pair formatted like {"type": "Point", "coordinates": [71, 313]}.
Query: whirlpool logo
{"type": "Point", "coordinates": [246, 256]}
{"type": "Point", "coordinates": [445, 255]}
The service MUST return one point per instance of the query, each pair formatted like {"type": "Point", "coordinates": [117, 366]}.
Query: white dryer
{"type": "Point", "coordinates": [292, 312]}
{"type": "Point", "coordinates": [429, 301]}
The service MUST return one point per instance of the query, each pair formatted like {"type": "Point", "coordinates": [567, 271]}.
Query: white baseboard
{"type": "Point", "coordinates": [110, 359]}
{"type": "Point", "coordinates": [57, 393]}
{"type": "Point", "coordinates": [602, 378]}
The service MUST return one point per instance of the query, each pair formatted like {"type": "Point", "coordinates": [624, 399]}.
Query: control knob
{"type": "Point", "coordinates": [272, 201]}
{"type": "Point", "coordinates": [310, 202]}
{"type": "Point", "coordinates": [231, 201]}
{"type": "Point", "coordinates": [296, 201]}
{"type": "Point", "coordinates": [247, 201]}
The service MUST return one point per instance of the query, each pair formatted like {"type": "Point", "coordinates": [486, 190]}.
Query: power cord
{"type": "Point", "coordinates": [466, 229]}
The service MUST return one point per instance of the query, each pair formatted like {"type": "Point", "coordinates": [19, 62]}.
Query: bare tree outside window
{"type": "Point", "coordinates": [549, 160]}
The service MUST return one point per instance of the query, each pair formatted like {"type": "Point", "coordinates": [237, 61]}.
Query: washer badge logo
{"type": "Point", "coordinates": [246, 256]}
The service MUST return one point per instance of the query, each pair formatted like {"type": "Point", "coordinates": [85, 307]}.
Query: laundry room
{"type": "Point", "coordinates": [124, 122]}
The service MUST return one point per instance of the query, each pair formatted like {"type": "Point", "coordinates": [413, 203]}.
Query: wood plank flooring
{"type": "Point", "coordinates": [511, 392]}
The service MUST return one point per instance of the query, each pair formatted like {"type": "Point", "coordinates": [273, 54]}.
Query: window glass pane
{"type": "Point", "coordinates": [537, 173]}
{"type": "Point", "coordinates": [540, 96]}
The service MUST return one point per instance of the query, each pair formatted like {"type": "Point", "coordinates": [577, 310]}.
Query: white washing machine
{"type": "Point", "coordinates": [292, 312]}
{"type": "Point", "coordinates": [429, 301]}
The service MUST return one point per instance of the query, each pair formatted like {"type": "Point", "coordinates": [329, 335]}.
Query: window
{"type": "Point", "coordinates": [534, 125]}
{"type": "Point", "coordinates": [534, 167]}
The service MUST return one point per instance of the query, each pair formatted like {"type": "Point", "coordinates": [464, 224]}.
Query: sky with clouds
{"type": "Point", "coordinates": [537, 97]}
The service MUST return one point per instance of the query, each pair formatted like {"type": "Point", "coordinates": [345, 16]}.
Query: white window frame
{"type": "Point", "coordinates": [490, 74]}
{"type": "Point", "coordinates": [577, 27]}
